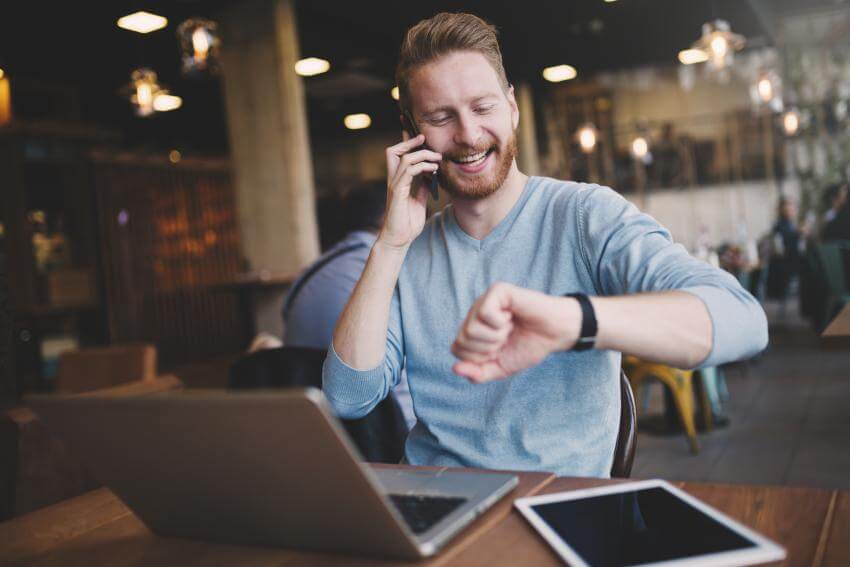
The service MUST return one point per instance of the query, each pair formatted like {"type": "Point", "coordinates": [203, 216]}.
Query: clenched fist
{"type": "Point", "coordinates": [509, 329]}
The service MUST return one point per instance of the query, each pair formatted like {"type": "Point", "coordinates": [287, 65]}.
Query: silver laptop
{"type": "Point", "coordinates": [263, 468]}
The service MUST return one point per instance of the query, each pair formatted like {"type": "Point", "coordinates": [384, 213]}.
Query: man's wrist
{"type": "Point", "coordinates": [570, 326]}
{"type": "Point", "coordinates": [389, 249]}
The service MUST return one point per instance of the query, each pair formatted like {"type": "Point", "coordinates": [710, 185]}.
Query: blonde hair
{"type": "Point", "coordinates": [445, 33]}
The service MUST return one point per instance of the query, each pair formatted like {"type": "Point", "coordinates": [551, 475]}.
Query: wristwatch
{"type": "Point", "coordinates": [589, 328]}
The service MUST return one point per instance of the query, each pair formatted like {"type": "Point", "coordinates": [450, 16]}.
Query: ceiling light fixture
{"type": "Point", "coordinates": [357, 121]}
{"type": "Point", "coordinates": [312, 66]}
{"type": "Point", "coordinates": [587, 135]}
{"type": "Point", "coordinates": [559, 73]}
{"type": "Point", "coordinates": [791, 122]}
{"type": "Point", "coordinates": [692, 56]}
{"type": "Point", "coordinates": [766, 90]}
{"type": "Point", "coordinates": [148, 96]}
{"type": "Point", "coordinates": [199, 42]}
{"type": "Point", "coordinates": [164, 102]}
{"type": "Point", "coordinates": [719, 44]}
{"type": "Point", "coordinates": [143, 86]}
{"type": "Point", "coordinates": [142, 22]}
{"type": "Point", "coordinates": [640, 148]}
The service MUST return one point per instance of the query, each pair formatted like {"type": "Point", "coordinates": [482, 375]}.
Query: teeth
{"type": "Point", "coordinates": [472, 158]}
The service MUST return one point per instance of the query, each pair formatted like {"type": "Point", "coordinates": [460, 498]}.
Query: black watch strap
{"type": "Point", "coordinates": [587, 337]}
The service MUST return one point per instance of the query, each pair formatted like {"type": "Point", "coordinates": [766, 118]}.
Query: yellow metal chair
{"type": "Point", "coordinates": [680, 383]}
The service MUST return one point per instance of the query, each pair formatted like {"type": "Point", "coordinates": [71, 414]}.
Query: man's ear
{"type": "Point", "coordinates": [514, 107]}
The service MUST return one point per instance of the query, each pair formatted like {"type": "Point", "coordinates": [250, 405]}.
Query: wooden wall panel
{"type": "Point", "coordinates": [170, 246]}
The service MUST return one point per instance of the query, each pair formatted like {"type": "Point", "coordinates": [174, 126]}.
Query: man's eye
{"type": "Point", "coordinates": [485, 108]}
{"type": "Point", "coordinates": [439, 120]}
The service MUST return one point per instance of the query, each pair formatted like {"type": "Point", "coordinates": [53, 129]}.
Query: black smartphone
{"type": "Point", "coordinates": [410, 127]}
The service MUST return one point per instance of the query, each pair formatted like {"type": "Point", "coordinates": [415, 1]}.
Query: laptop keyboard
{"type": "Point", "coordinates": [422, 512]}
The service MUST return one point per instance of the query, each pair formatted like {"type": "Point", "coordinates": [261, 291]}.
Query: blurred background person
{"type": "Point", "coordinates": [788, 242]}
{"type": "Point", "coordinates": [317, 297]}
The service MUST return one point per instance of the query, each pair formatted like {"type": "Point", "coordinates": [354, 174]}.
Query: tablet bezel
{"type": "Point", "coordinates": [765, 550]}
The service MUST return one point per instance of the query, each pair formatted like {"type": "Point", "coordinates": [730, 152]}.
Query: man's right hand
{"type": "Point", "coordinates": [407, 196]}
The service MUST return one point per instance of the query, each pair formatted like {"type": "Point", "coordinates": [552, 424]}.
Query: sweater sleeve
{"type": "Point", "coordinates": [354, 393]}
{"type": "Point", "coordinates": [628, 252]}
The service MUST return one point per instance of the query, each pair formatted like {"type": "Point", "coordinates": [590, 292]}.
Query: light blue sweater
{"type": "Point", "coordinates": [309, 318]}
{"type": "Point", "coordinates": [562, 415]}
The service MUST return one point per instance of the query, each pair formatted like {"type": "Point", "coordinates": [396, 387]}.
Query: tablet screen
{"type": "Point", "coordinates": [639, 526]}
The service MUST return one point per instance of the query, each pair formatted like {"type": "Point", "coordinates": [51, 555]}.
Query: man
{"type": "Point", "coordinates": [315, 301]}
{"type": "Point", "coordinates": [484, 281]}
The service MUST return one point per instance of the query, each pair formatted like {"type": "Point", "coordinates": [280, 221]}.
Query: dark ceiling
{"type": "Point", "coordinates": [78, 44]}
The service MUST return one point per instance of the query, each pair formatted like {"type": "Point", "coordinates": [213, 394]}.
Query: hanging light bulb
{"type": "Point", "coordinates": [148, 96]}
{"type": "Point", "coordinates": [640, 148]}
{"type": "Point", "coordinates": [719, 47]}
{"type": "Point", "coordinates": [199, 42]}
{"type": "Point", "coordinates": [767, 90]}
{"type": "Point", "coordinates": [719, 44]}
{"type": "Point", "coordinates": [587, 135]}
{"type": "Point", "coordinates": [144, 88]}
{"type": "Point", "coordinates": [144, 95]}
{"type": "Point", "coordinates": [791, 122]}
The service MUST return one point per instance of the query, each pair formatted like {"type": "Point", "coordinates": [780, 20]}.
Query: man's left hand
{"type": "Point", "coordinates": [509, 329]}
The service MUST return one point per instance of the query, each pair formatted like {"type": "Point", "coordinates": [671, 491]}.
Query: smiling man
{"type": "Point", "coordinates": [513, 305]}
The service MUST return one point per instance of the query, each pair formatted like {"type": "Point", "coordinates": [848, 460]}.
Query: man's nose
{"type": "Point", "coordinates": [468, 131]}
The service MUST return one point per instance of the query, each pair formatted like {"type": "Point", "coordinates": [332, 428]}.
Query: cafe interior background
{"type": "Point", "coordinates": [167, 168]}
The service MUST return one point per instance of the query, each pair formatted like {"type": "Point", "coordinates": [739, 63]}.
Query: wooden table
{"type": "Point", "coordinates": [96, 529]}
{"type": "Point", "coordinates": [813, 525]}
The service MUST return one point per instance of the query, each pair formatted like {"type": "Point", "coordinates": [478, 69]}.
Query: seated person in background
{"type": "Point", "coordinates": [505, 369]}
{"type": "Point", "coordinates": [788, 245]}
{"type": "Point", "coordinates": [316, 298]}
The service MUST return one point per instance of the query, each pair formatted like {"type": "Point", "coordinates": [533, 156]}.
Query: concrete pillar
{"type": "Point", "coordinates": [528, 158]}
{"type": "Point", "coordinates": [269, 142]}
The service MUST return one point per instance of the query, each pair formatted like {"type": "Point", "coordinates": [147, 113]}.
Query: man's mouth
{"type": "Point", "coordinates": [471, 162]}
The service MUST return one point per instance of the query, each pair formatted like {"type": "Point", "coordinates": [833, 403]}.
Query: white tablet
{"type": "Point", "coordinates": [643, 523]}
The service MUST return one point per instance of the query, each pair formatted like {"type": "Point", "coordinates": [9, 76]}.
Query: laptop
{"type": "Point", "coordinates": [263, 468]}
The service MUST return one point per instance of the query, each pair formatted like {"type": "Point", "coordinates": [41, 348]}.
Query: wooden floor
{"type": "Point", "coordinates": [790, 419]}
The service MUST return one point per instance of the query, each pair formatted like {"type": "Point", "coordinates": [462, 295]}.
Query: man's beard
{"type": "Point", "coordinates": [479, 186]}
